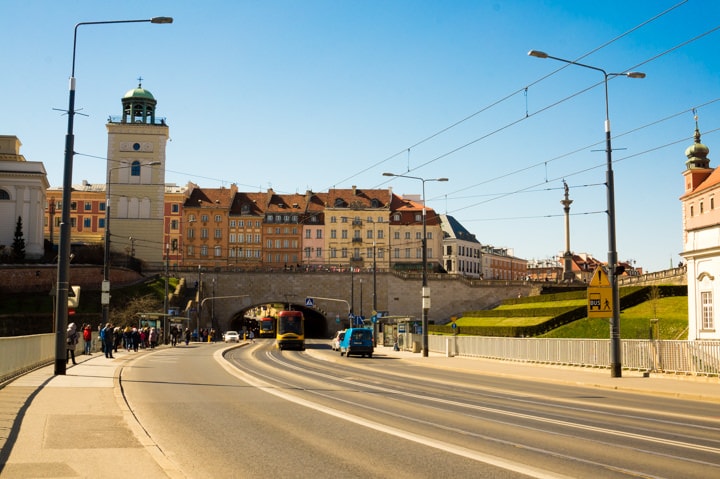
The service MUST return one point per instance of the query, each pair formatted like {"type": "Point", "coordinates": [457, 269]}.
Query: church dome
{"type": "Point", "coordinates": [139, 92]}
{"type": "Point", "coordinates": [697, 153]}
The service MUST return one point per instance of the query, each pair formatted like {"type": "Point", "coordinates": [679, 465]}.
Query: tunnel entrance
{"type": "Point", "coordinates": [316, 324]}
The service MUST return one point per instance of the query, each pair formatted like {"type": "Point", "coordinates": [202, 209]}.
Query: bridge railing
{"type": "Point", "coordinates": [700, 358]}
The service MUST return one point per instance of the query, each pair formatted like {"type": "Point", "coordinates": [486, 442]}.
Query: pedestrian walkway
{"type": "Point", "coordinates": [78, 425]}
{"type": "Point", "coordinates": [696, 388]}
{"type": "Point", "coordinates": [75, 425]}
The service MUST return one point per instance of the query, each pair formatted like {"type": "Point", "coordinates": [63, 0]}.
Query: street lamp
{"type": "Point", "coordinates": [425, 289]}
{"type": "Point", "coordinates": [64, 244]}
{"type": "Point", "coordinates": [105, 290]}
{"type": "Point", "coordinates": [615, 349]}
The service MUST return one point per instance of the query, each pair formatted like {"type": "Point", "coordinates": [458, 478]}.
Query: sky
{"type": "Point", "coordinates": [315, 94]}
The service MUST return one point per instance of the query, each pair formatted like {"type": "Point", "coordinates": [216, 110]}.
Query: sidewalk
{"type": "Point", "coordinates": [78, 425]}
{"type": "Point", "coordinates": [696, 388]}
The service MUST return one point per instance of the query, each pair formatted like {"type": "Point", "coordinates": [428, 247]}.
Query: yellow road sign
{"type": "Point", "coordinates": [599, 295]}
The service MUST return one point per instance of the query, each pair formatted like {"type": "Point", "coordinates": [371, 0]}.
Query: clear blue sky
{"type": "Point", "coordinates": [298, 95]}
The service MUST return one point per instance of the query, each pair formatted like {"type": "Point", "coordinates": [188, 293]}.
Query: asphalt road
{"type": "Point", "coordinates": [264, 413]}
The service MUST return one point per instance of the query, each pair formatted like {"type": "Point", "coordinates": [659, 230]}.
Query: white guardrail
{"type": "Point", "coordinates": [19, 354]}
{"type": "Point", "coordinates": [700, 358]}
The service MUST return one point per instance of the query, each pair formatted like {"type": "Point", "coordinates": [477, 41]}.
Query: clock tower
{"type": "Point", "coordinates": [136, 178]}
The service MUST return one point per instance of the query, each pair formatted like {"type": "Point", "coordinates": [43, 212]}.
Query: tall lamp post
{"type": "Point", "coordinates": [64, 244]}
{"type": "Point", "coordinates": [105, 294]}
{"type": "Point", "coordinates": [613, 271]}
{"type": "Point", "coordinates": [425, 289]}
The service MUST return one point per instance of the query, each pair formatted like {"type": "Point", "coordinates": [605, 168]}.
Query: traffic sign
{"type": "Point", "coordinates": [599, 295]}
{"type": "Point", "coordinates": [310, 302]}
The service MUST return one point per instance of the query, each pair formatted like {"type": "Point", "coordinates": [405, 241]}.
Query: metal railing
{"type": "Point", "coordinates": [700, 358]}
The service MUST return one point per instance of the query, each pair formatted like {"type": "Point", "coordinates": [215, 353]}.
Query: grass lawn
{"type": "Point", "coordinates": [672, 315]}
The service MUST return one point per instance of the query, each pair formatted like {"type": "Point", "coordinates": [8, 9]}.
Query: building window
{"type": "Point", "coordinates": [396, 217]}
{"type": "Point", "coordinates": [218, 233]}
{"type": "Point", "coordinates": [218, 251]}
{"type": "Point", "coordinates": [204, 233]}
{"type": "Point", "coordinates": [135, 168]}
{"type": "Point", "coordinates": [174, 224]}
{"type": "Point", "coordinates": [203, 250]}
{"type": "Point", "coordinates": [429, 235]}
{"type": "Point", "coordinates": [101, 206]}
{"type": "Point", "coordinates": [204, 218]}
{"type": "Point", "coordinates": [692, 211]}
{"type": "Point", "coordinates": [343, 234]}
{"type": "Point", "coordinates": [407, 252]}
{"type": "Point", "coordinates": [88, 206]}
{"type": "Point", "coordinates": [175, 208]}
{"type": "Point", "coordinates": [333, 252]}
{"type": "Point", "coordinates": [191, 250]}
{"type": "Point", "coordinates": [318, 234]}
{"type": "Point", "coordinates": [707, 310]}
{"type": "Point", "coordinates": [333, 234]}
{"type": "Point", "coordinates": [5, 196]}
{"type": "Point", "coordinates": [407, 235]}
{"type": "Point", "coordinates": [418, 217]}
{"type": "Point", "coordinates": [318, 252]}
{"type": "Point", "coordinates": [218, 218]}
{"type": "Point", "coordinates": [101, 223]}
{"type": "Point", "coordinates": [418, 235]}
{"type": "Point", "coordinates": [701, 208]}
{"type": "Point", "coordinates": [87, 222]}
{"type": "Point", "coordinates": [232, 238]}
{"type": "Point", "coordinates": [191, 233]}
{"type": "Point", "coordinates": [380, 234]}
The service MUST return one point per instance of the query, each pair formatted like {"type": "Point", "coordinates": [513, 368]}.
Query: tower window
{"type": "Point", "coordinates": [135, 168]}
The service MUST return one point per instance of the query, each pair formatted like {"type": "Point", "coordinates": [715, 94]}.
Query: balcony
{"type": "Point", "coordinates": [356, 259]}
{"type": "Point", "coordinates": [357, 240]}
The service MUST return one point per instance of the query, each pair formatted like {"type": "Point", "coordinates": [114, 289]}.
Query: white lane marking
{"type": "Point", "coordinates": [424, 440]}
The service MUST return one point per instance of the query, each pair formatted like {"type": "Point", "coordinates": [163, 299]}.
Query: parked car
{"type": "Point", "coordinates": [335, 345]}
{"type": "Point", "coordinates": [358, 341]}
{"type": "Point", "coordinates": [231, 336]}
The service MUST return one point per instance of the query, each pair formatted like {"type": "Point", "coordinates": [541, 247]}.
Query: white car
{"type": "Point", "coordinates": [231, 336]}
{"type": "Point", "coordinates": [336, 340]}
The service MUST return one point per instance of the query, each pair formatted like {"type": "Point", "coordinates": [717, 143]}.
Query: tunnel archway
{"type": "Point", "coordinates": [316, 324]}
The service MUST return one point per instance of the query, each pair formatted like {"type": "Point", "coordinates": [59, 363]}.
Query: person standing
{"type": "Point", "coordinates": [251, 336]}
{"type": "Point", "coordinates": [71, 342]}
{"type": "Point", "coordinates": [109, 340]}
{"type": "Point", "coordinates": [187, 336]}
{"type": "Point", "coordinates": [87, 337]}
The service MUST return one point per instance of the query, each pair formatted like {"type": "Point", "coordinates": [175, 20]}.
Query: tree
{"type": "Point", "coordinates": [18, 246]}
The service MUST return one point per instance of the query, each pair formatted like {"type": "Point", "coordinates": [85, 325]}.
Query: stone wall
{"type": "Point", "coordinates": [42, 278]}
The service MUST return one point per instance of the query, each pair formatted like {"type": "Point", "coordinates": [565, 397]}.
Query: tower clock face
{"type": "Point", "coordinates": [144, 147]}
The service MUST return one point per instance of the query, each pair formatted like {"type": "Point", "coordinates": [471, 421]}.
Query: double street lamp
{"type": "Point", "coordinates": [425, 289]}
{"type": "Point", "coordinates": [613, 271]}
{"type": "Point", "coordinates": [64, 244]}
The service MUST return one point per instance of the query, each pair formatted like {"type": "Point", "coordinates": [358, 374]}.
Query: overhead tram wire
{"type": "Point", "coordinates": [589, 146]}
{"type": "Point", "coordinates": [584, 170]}
{"type": "Point", "coordinates": [522, 90]}
{"type": "Point", "coordinates": [561, 101]}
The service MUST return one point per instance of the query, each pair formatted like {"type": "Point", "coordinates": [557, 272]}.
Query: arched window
{"type": "Point", "coordinates": [135, 168]}
{"type": "Point", "coordinates": [4, 195]}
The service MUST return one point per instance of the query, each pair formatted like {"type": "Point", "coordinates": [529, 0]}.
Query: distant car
{"type": "Point", "coordinates": [335, 345]}
{"type": "Point", "coordinates": [231, 336]}
{"type": "Point", "coordinates": [357, 341]}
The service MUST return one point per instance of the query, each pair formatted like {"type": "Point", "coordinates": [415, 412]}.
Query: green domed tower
{"type": "Point", "coordinates": [136, 178]}
{"type": "Point", "coordinates": [138, 106]}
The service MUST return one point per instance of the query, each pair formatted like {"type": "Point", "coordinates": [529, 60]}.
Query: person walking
{"type": "Point", "coordinates": [187, 336]}
{"type": "Point", "coordinates": [251, 336]}
{"type": "Point", "coordinates": [71, 342]}
{"type": "Point", "coordinates": [87, 337]}
{"type": "Point", "coordinates": [109, 340]}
